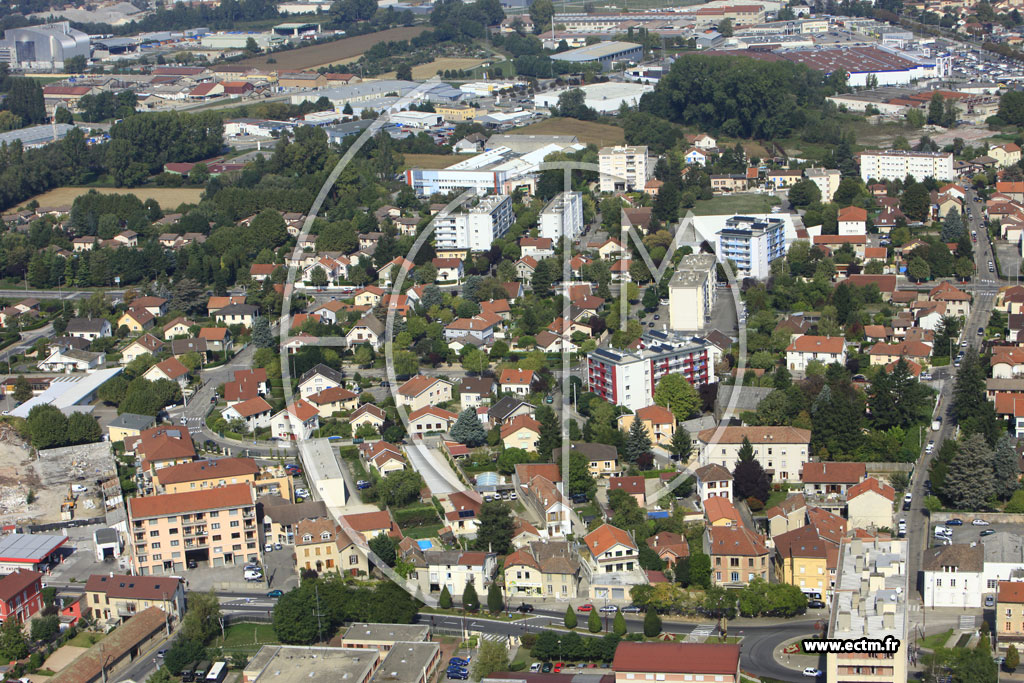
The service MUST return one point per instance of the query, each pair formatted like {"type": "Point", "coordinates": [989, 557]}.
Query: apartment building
{"type": "Point", "coordinates": [803, 559]}
{"type": "Point", "coordinates": [782, 451]}
{"type": "Point", "coordinates": [738, 555]}
{"type": "Point", "coordinates": [562, 217]}
{"type": "Point", "coordinates": [692, 292]}
{"type": "Point", "coordinates": [215, 527]}
{"type": "Point", "coordinates": [209, 474]}
{"type": "Point", "coordinates": [658, 422]}
{"type": "Point", "coordinates": [870, 601]}
{"type": "Point", "coordinates": [21, 595]}
{"type": "Point", "coordinates": [114, 596]}
{"type": "Point", "coordinates": [323, 546]}
{"type": "Point", "coordinates": [543, 568]}
{"type": "Point", "coordinates": [624, 168]}
{"type": "Point", "coordinates": [477, 226]}
{"type": "Point", "coordinates": [894, 164]}
{"type": "Point", "coordinates": [827, 180]}
{"type": "Point", "coordinates": [454, 569]}
{"type": "Point", "coordinates": [752, 243]}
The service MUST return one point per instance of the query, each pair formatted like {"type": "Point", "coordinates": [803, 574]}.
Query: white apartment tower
{"type": "Point", "coordinates": [477, 227]}
{"type": "Point", "coordinates": [897, 165]}
{"type": "Point", "coordinates": [624, 169]}
{"type": "Point", "coordinates": [691, 293]}
{"type": "Point", "coordinates": [562, 217]}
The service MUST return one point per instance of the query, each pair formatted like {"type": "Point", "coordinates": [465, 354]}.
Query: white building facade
{"type": "Point", "coordinates": [477, 228]}
{"type": "Point", "coordinates": [562, 217]}
{"type": "Point", "coordinates": [897, 165]}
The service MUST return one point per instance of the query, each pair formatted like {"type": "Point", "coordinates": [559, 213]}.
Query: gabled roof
{"type": "Point", "coordinates": [517, 377]}
{"type": "Point", "coordinates": [789, 505]}
{"type": "Point", "coordinates": [802, 542]}
{"type": "Point", "coordinates": [207, 469]}
{"type": "Point", "coordinates": [130, 587]}
{"type": "Point", "coordinates": [809, 343]}
{"type": "Point", "coordinates": [756, 435]}
{"type": "Point", "coordinates": [604, 537]}
{"type": "Point", "coordinates": [833, 472]}
{"type": "Point", "coordinates": [678, 658]}
{"type": "Point", "coordinates": [719, 507]}
{"type": "Point", "coordinates": [172, 367]}
{"type": "Point", "coordinates": [631, 485]}
{"type": "Point", "coordinates": [367, 408]}
{"type": "Point", "coordinates": [231, 496]}
{"type": "Point", "coordinates": [520, 422]}
{"type": "Point", "coordinates": [418, 384]}
{"type": "Point", "coordinates": [735, 540]}
{"type": "Point", "coordinates": [712, 472]}
{"type": "Point", "coordinates": [331, 395]}
{"type": "Point", "coordinates": [656, 414]}
{"type": "Point", "coordinates": [253, 406]}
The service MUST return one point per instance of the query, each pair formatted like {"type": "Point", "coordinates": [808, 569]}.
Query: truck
{"type": "Point", "coordinates": [936, 424]}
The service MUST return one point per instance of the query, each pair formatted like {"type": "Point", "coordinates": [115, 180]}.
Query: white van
{"type": "Point", "coordinates": [253, 575]}
{"type": "Point", "coordinates": [78, 488]}
{"type": "Point", "coordinates": [943, 532]}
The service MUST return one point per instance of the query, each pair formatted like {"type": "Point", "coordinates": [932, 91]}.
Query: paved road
{"type": "Point", "coordinates": [436, 471]}
{"type": "Point", "coordinates": [27, 340]}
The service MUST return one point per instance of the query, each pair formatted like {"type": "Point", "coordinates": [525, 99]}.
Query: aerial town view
{"type": "Point", "coordinates": [515, 341]}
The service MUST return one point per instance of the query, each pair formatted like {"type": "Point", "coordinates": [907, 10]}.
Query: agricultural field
{"type": "Point", "coordinates": [336, 52]}
{"type": "Point", "coordinates": [422, 72]}
{"type": "Point", "coordinates": [601, 134]}
{"type": "Point", "coordinates": [167, 197]}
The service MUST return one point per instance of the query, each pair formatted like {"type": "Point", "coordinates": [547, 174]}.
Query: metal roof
{"type": "Point", "coordinates": [29, 547]}
{"type": "Point", "coordinates": [66, 392]}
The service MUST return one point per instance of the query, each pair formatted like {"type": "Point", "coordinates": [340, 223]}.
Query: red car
{"type": "Point", "coordinates": [557, 669]}
{"type": "Point", "coordinates": [585, 608]}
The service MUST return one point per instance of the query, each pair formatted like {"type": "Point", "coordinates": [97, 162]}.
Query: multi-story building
{"type": "Point", "coordinates": [45, 46]}
{"type": "Point", "coordinates": [827, 180]}
{"type": "Point", "coordinates": [323, 546]}
{"type": "Point", "coordinates": [562, 217]}
{"type": "Point", "coordinates": [628, 378]}
{"type": "Point", "coordinates": [953, 576]}
{"type": "Point", "coordinates": [676, 662]}
{"type": "Point", "coordinates": [782, 451]}
{"type": "Point", "coordinates": [208, 474]}
{"type": "Point", "coordinates": [476, 227]}
{"type": "Point", "coordinates": [549, 568]}
{"type": "Point", "coordinates": [612, 565]}
{"type": "Point", "coordinates": [802, 559]}
{"type": "Point", "coordinates": [454, 569]}
{"type": "Point", "coordinates": [870, 602]}
{"type": "Point", "coordinates": [216, 527]}
{"type": "Point", "coordinates": [692, 292]}
{"type": "Point", "coordinates": [752, 244]}
{"type": "Point", "coordinates": [808, 348]}
{"type": "Point", "coordinates": [624, 168]}
{"type": "Point", "coordinates": [897, 164]}
{"type": "Point", "coordinates": [113, 596]}
{"type": "Point", "coordinates": [738, 555]}
{"type": "Point", "coordinates": [21, 595]}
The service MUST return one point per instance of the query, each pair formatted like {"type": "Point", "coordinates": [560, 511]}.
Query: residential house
{"type": "Point", "coordinates": [333, 400]}
{"type": "Point", "coordinates": [431, 420]}
{"type": "Point", "coordinates": [170, 369]}
{"type": "Point", "coordinates": [323, 546]}
{"type": "Point", "coordinates": [958, 302]}
{"type": "Point", "coordinates": [127, 425]}
{"type": "Point", "coordinates": [611, 550]}
{"type": "Point", "coordinates": [179, 327]}
{"type": "Point", "coordinates": [90, 329]}
{"type": "Point", "coordinates": [636, 487]}
{"type": "Point", "coordinates": [954, 576]}
{"type": "Point", "coordinates": [507, 408]}
{"type": "Point", "coordinates": [869, 504]}
{"type": "Point", "coordinates": [831, 478]}
{"type": "Point", "coordinates": [462, 512]}
{"type": "Point", "coordinates": [549, 569]}
{"type": "Point", "coordinates": [721, 512]}
{"type": "Point", "coordinates": [281, 516]}
{"type": "Point", "coordinates": [21, 595]}
{"type": "Point", "coordinates": [237, 314]}
{"type": "Point", "coordinates": [802, 559]}
{"type": "Point", "coordinates": [121, 596]}
{"type": "Point", "coordinates": [371, 524]}
{"type": "Point", "coordinates": [853, 221]}
{"type": "Point", "coordinates": [658, 422]}
{"type": "Point", "coordinates": [217, 338]}
{"type": "Point", "coordinates": [738, 555]}
{"type": "Point", "coordinates": [808, 348]}
{"type": "Point", "coordinates": [136, 320]}
{"type": "Point", "coordinates": [154, 305]}
{"type": "Point", "coordinates": [518, 382]}
{"type": "Point", "coordinates": [147, 343]}
{"type": "Point", "coordinates": [454, 569]}
{"type": "Point", "coordinates": [72, 360]}
{"type": "Point", "coordinates": [788, 515]}
{"type": "Point", "coordinates": [449, 270]}
{"type": "Point", "coordinates": [180, 347]}
{"type": "Point", "coordinates": [422, 391]}
{"type": "Point", "coordinates": [367, 414]}
{"type": "Point", "coordinates": [254, 412]}
{"type": "Point", "coordinates": [246, 385]}
{"type": "Point", "coordinates": [521, 432]}
{"type": "Point", "coordinates": [782, 451]}
{"type": "Point", "coordinates": [883, 354]}
{"type": "Point", "coordinates": [318, 378]}
{"type": "Point", "coordinates": [298, 421]}
{"type": "Point", "coordinates": [670, 546]}
{"type": "Point", "coordinates": [602, 459]}
{"type": "Point", "coordinates": [1009, 615]}
{"type": "Point", "coordinates": [713, 481]}
{"type": "Point", "coordinates": [476, 391]}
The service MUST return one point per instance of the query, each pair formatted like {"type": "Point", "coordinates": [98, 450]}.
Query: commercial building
{"type": "Point", "coordinates": [71, 394]}
{"type": "Point", "coordinates": [46, 46]}
{"type": "Point", "coordinates": [216, 527]}
{"type": "Point", "coordinates": [36, 136]}
{"type": "Point", "coordinates": [898, 164]}
{"type": "Point", "coordinates": [477, 227]}
{"type": "Point", "coordinates": [752, 244]}
{"type": "Point", "coordinates": [562, 217]}
{"type": "Point", "coordinates": [624, 168]}
{"type": "Point", "coordinates": [782, 451]}
{"type": "Point", "coordinates": [628, 378]}
{"type": "Point", "coordinates": [692, 292]}
{"type": "Point", "coordinates": [30, 551]}
{"type": "Point", "coordinates": [605, 98]}
{"type": "Point", "coordinates": [298, 664]}
{"type": "Point", "coordinates": [605, 53]}
{"type": "Point", "coordinates": [870, 602]}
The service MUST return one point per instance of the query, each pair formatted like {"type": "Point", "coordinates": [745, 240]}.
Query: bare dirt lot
{"type": "Point", "coordinates": [330, 53]}
{"type": "Point", "coordinates": [421, 72]}
{"type": "Point", "coordinates": [601, 134]}
{"type": "Point", "coordinates": [167, 197]}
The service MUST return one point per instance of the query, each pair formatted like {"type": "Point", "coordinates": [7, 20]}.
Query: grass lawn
{"type": "Point", "coordinates": [246, 636]}
{"type": "Point", "coordinates": [85, 639]}
{"type": "Point", "coordinates": [775, 497]}
{"type": "Point", "coordinates": [735, 204]}
{"type": "Point", "coordinates": [417, 532]}
{"type": "Point", "coordinates": [935, 640]}
{"type": "Point", "coordinates": [588, 510]}
{"type": "Point", "coordinates": [601, 134]}
{"type": "Point", "coordinates": [430, 160]}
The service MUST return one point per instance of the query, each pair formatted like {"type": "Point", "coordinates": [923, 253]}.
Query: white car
{"type": "Point", "coordinates": [979, 522]}
{"type": "Point", "coordinates": [811, 672]}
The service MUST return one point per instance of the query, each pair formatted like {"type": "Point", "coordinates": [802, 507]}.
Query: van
{"type": "Point", "coordinates": [253, 575]}
{"type": "Point", "coordinates": [78, 488]}
{"type": "Point", "coordinates": [943, 532]}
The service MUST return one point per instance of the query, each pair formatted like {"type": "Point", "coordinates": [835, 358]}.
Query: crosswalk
{"type": "Point", "coordinates": [700, 634]}
{"type": "Point", "coordinates": [967, 622]}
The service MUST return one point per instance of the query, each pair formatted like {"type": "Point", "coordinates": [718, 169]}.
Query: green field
{"type": "Point", "coordinates": [246, 637]}
{"type": "Point", "coordinates": [935, 640]}
{"type": "Point", "coordinates": [734, 204]}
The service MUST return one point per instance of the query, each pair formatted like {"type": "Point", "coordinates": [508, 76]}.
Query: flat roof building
{"type": "Point", "coordinates": [605, 53]}
{"type": "Point", "coordinates": [30, 551]}
{"type": "Point", "coordinates": [69, 394]}
{"type": "Point", "coordinates": [296, 664]}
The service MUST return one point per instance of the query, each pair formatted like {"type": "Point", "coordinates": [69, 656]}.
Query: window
{"type": "Point", "coordinates": [306, 538]}
{"type": "Point", "coordinates": [215, 525]}
{"type": "Point", "coordinates": [938, 583]}
{"type": "Point", "coordinates": [156, 546]}
{"type": "Point", "coordinates": [175, 543]}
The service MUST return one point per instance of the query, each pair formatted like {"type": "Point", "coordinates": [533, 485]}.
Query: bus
{"type": "Point", "coordinates": [217, 672]}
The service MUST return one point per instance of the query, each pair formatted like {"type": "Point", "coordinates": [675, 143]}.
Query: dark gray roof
{"type": "Point", "coordinates": [321, 369]}
{"type": "Point", "coordinates": [87, 324]}
{"type": "Point", "coordinates": [476, 385]}
{"type": "Point", "coordinates": [504, 407]}
{"type": "Point", "coordinates": [190, 345]}
{"type": "Point", "coordinates": [593, 451]}
{"type": "Point", "coordinates": [133, 421]}
{"type": "Point", "coordinates": [236, 309]}
{"type": "Point", "coordinates": [106, 536]}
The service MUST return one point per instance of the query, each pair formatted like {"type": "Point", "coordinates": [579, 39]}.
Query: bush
{"type": "Point", "coordinates": [754, 504]}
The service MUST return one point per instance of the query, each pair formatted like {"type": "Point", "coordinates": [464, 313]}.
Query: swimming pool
{"type": "Point", "coordinates": [425, 544]}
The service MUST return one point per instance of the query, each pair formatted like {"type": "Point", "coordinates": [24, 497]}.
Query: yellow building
{"type": "Point", "coordinates": [659, 422]}
{"type": "Point", "coordinates": [110, 596]}
{"type": "Point", "coordinates": [455, 112]}
{"type": "Point", "coordinates": [127, 425]}
{"type": "Point", "coordinates": [802, 559]}
{"type": "Point", "coordinates": [323, 546]}
{"type": "Point", "coordinates": [1010, 614]}
{"type": "Point", "coordinates": [208, 474]}
{"type": "Point", "coordinates": [136, 321]}
{"type": "Point", "coordinates": [1005, 155]}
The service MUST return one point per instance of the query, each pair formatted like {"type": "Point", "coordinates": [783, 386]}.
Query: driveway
{"type": "Point", "coordinates": [436, 471]}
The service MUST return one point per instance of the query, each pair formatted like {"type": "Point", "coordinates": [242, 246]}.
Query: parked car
{"type": "Point", "coordinates": [990, 601]}
{"type": "Point", "coordinates": [535, 667]}
{"type": "Point", "coordinates": [546, 668]}
{"type": "Point", "coordinates": [458, 661]}
{"type": "Point", "coordinates": [609, 608]}
{"type": "Point", "coordinates": [811, 672]}
{"type": "Point", "coordinates": [955, 522]}
{"type": "Point", "coordinates": [558, 668]}
{"type": "Point", "coordinates": [362, 484]}
{"type": "Point", "coordinates": [458, 675]}
{"type": "Point", "coordinates": [585, 608]}
{"type": "Point", "coordinates": [815, 604]}
{"type": "Point", "coordinates": [631, 609]}
{"type": "Point", "coordinates": [979, 522]}
{"type": "Point", "coordinates": [268, 548]}
{"type": "Point", "coordinates": [986, 532]}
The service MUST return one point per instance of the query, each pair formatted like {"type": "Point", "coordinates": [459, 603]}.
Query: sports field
{"type": "Point", "coordinates": [601, 134]}
{"type": "Point", "coordinates": [166, 197]}
{"type": "Point", "coordinates": [325, 54]}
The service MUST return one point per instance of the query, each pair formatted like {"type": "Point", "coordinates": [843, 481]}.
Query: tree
{"type": "Point", "coordinates": [494, 601]}
{"type": "Point", "coordinates": [25, 100]}
{"type": "Point", "coordinates": [970, 482]}
{"type": "Point", "coordinates": [384, 547]}
{"type": "Point", "coordinates": [475, 360]}
{"type": "Point", "coordinates": [83, 428]}
{"type": "Point", "coordinates": [916, 202]}
{"type": "Point", "coordinates": [678, 395]}
{"type": "Point", "coordinates": [638, 442]}
{"type": "Point", "coordinates": [572, 103]}
{"type": "Point", "coordinates": [470, 600]}
{"type": "Point", "coordinates": [406, 363]}
{"type": "Point", "coordinates": [496, 528]}
{"type": "Point", "coordinates": [468, 430]}
{"type": "Point", "coordinates": [404, 72]}
{"type": "Point", "coordinates": [1012, 658]}
{"type": "Point", "coordinates": [619, 624]}
{"type": "Point", "coordinates": [183, 652]}
{"type": "Point", "coordinates": [682, 445]}
{"type": "Point", "coordinates": [262, 337]}
{"type": "Point", "coordinates": [22, 389]}
{"type": "Point", "coordinates": [919, 269]}
{"type": "Point", "coordinates": [1005, 468]}
{"type": "Point", "coordinates": [251, 47]}
{"type": "Point", "coordinates": [746, 452]}
{"type": "Point", "coordinates": [492, 657]}
{"type": "Point", "coordinates": [594, 621]}
{"type": "Point", "coordinates": [751, 481]}
{"type": "Point", "coordinates": [700, 569]}
{"type": "Point", "coordinates": [47, 426]}
{"type": "Point", "coordinates": [652, 624]}
{"type": "Point", "coordinates": [570, 617]}
{"type": "Point", "coordinates": [444, 601]}
{"type": "Point", "coordinates": [318, 277]}
{"type": "Point", "coordinates": [295, 623]}
{"type": "Point", "coordinates": [541, 12]}
{"type": "Point", "coordinates": [12, 641]}
{"type": "Point", "coordinates": [202, 619]}
{"type": "Point", "coordinates": [725, 27]}
{"type": "Point", "coordinates": [804, 193]}
{"type": "Point", "coordinates": [952, 226]}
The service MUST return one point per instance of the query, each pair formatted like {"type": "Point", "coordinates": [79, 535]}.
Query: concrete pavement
{"type": "Point", "coordinates": [437, 473]}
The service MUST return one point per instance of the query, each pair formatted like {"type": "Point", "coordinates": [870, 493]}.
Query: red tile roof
{"type": "Point", "coordinates": [604, 537]}
{"type": "Point", "coordinates": [207, 469]}
{"type": "Point", "coordinates": [12, 584]}
{"type": "Point", "coordinates": [231, 496]}
{"type": "Point", "coordinates": [871, 484]}
{"type": "Point", "coordinates": [520, 377]}
{"type": "Point", "coordinates": [833, 472]}
{"type": "Point", "coordinates": [1011, 591]}
{"type": "Point", "coordinates": [677, 658]}
{"type": "Point", "coordinates": [736, 540]}
{"type": "Point", "coordinates": [809, 343]}
{"type": "Point", "coordinates": [719, 507]}
{"type": "Point", "coordinates": [631, 485]}
{"type": "Point", "coordinates": [253, 406]}
{"type": "Point", "coordinates": [520, 422]}
{"type": "Point", "coordinates": [133, 587]}
{"type": "Point", "coordinates": [852, 213]}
